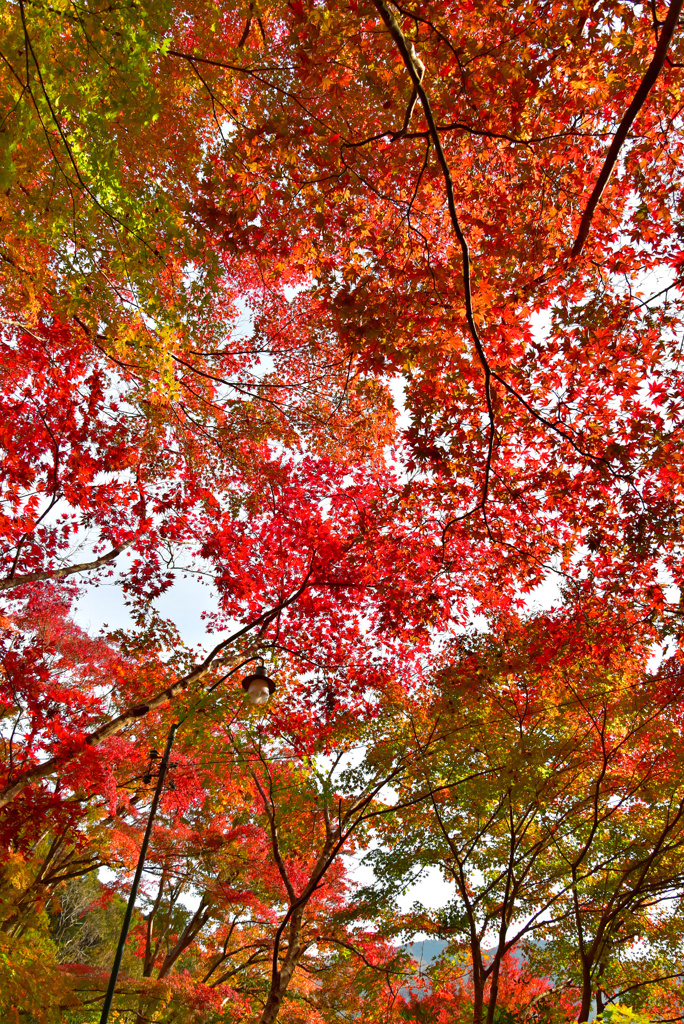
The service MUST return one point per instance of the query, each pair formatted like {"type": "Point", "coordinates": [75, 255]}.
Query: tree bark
{"type": "Point", "coordinates": [478, 996]}
{"type": "Point", "coordinates": [282, 976]}
{"type": "Point", "coordinates": [645, 86]}
{"type": "Point", "coordinates": [585, 1003]}
{"type": "Point", "coordinates": [186, 938]}
{"type": "Point", "coordinates": [494, 990]}
{"type": "Point", "coordinates": [57, 574]}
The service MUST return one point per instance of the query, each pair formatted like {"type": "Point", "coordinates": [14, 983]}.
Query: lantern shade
{"type": "Point", "coordinates": [258, 686]}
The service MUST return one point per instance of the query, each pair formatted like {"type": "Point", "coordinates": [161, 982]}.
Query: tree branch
{"type": "Point", "coordinates": [56, 574]}
{"type": "Point", "coordinates": [647, 83]}
{"type": "Point", "coordinates": [416, 71]}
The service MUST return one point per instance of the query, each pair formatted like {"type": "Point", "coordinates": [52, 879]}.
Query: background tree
{"type": "Point", "coordinates": [568, 818]}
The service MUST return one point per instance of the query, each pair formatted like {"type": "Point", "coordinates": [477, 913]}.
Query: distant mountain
{"type": "Point", "coordinates": [429, 949]}
{"type": "Point", "coordinates": [426, 951]}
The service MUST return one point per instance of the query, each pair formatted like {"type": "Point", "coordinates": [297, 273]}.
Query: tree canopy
{"type": "Point", "coordinates": [359, 323]}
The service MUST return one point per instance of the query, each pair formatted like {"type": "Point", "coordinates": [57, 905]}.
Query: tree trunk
{"type": "Point", "coordinates": [585, 1005]}
{"type": "Point", "coordinates": [281, 978]}
{"type": "Point", "coordinates": [479, 976]}
{"type": "Point", "coordinates": [478, 998]}
{"type": "Point", "coordinates": [600, 1005]}
{"type": "Point", "coordinates": [494, 990]}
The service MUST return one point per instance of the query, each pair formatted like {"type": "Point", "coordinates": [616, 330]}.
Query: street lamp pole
{"type": "Point", "coordinates": [136, 879]}
{"type": "Point", "coordinates": [258, 688]}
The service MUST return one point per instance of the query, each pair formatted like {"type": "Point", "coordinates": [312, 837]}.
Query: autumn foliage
{"type": "Point", "coordinates": [353, 327]}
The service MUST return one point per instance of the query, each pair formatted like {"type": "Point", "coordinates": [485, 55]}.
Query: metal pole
{"type": "Point", "coordinates": [136, 879]}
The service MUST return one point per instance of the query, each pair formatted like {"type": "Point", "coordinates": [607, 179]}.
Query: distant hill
{"type": "Point", "coordinates": [429, 949]}
{"type": "Point", "coordinates": [426, 951]}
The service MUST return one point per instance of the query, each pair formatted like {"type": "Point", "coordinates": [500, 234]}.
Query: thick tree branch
{"type": "Point", "coordinates": [57, 574]}
{"type": "Point", "coordinates": [647, 83]}
{"type": "Point", "coordinates": [187, 937]}
{"type": "Point", "coordinates": [416, 71]}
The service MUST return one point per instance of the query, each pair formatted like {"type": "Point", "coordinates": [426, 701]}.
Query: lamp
{"type": "Point", "coordinates": [258, 686]}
